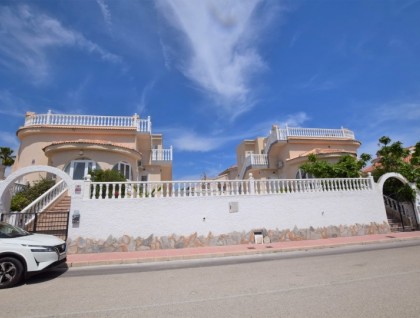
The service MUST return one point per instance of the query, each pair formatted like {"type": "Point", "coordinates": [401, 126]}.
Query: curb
{"type": "Point", "coordinates": [252, 251]}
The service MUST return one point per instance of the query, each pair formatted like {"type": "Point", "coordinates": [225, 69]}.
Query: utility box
{"type": "Point", "coordinates": [233, 207]}
{"type": "Point", "coordinates": [258, 237]}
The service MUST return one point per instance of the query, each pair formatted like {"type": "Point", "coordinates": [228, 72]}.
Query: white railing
{"type": "Point", "coordinates": [46, 199]}
{"type": "Point", "coordinates": [394, 205]}
{"type": "Point", "coordinates": [283, 134]}
{"type": "Point", "coordinates": [142, 125]}
{"type": "Point", "coordinates": [162, 154]}
{"type": "Point", "coordinates": [320, 133]}
{"type": "Point", "coordinates": [204, 188]}
{"type": "Point", "coordinates": [252, 160]}
{"type": "Point", "coordinates": [19, 187]}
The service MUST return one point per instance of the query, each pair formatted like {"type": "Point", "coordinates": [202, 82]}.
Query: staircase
{"type": "Point", "coordinates": [54, 220]}
{"type": "Point", "coordinates": [395, 225]}
{"type": "Point", "coordinates": [399, 219]}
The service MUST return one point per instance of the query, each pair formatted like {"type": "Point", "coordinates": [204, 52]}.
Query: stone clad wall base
{"type": "Point", "coordinates": [128, 243]}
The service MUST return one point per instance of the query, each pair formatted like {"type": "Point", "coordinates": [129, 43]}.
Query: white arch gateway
{"type": "Point", "coordinates": [7, 184]}
{"type": "Point", "coordinates": [386, 176]}
{"type": "Point", "coordinates": [416, 203]}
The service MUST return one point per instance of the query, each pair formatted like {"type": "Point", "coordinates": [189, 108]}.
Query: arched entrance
{"type": "Point", "coordinates": [50, 215]}
{"type": "Point", "coordinates": [6, 187]}
{"type": "Point", "coordinates": [402, 214]}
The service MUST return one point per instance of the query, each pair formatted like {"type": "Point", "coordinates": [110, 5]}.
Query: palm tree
{"type": "Point", "coordinates": [6, 160]}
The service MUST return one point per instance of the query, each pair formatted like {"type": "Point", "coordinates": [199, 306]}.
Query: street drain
{"type": "Point", "coordinates": [269, 246]}
{"type": "Point", "coordinates": [389, 236]}
{"type": "Point", "coordinates": [251, 248]}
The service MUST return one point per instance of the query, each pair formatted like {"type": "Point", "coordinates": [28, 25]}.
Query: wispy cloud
{"type": "Point", "coordinates": [295, 120]}
{"type": "Point", "coordinates": [106, 13]}
{"type": "Point", "coordinates": [317, 83]}
{"type": "Point", "coordinates": [167, 54]}
{"type": "Point", "coordinates": [397, 112]}
{"type": "Point", "coordinates": [142, 105]}
{"type": "Point", "coordinates": [28, 36]}
{"type": "Point", "coordinates": [11, 105]}
{"type": "Point", "coordinates": [189, 140]}
{"type": "Point", "coordinates": [399, 120]}
{"type": "Point", "coordinates": [9, 140]}
{"type": "Point", "coordinates": [222, 57]}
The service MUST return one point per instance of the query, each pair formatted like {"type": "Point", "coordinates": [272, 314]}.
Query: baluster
{"type": "Point", "coordinates": [108, 194]}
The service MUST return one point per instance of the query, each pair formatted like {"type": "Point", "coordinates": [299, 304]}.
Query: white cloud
{"type": "Point", "coordinates": [142, 105]}
{"type": "Point", "coordinates": [222, 57]}
{"type": "Point", "coordinates": [9, 140]}
{"type": "Point", "coordinates": [106, 13]}
{"type": "Point", "coordinates": [295, 120]}
{"type": "Point", "coordinates": [399, 111]}
{"type": "Point", "coordinates": [318, 83]}
{"type": "Point", "coordinates": [11, 105]}
{"type": "Point", "coordinates": [399, 120]}
{"type": "Point", "coordinates": [189, 140]}
{"type": "Point", "coordinates": [28, 36]}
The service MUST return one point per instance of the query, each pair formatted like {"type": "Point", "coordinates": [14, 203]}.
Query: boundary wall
{"type": "Point", "coordinates": [119, 217]}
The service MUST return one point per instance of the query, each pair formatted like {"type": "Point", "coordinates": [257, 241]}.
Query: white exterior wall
{"type": "Point", "coordinates": [184, 216]}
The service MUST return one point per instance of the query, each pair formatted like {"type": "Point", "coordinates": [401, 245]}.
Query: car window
{"type": "Point", "coordinates": [10, 231]}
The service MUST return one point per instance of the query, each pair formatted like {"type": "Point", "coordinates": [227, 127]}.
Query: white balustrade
{"type": "Point", "coordinates": [252, 160]}
{"type": "Point", "coordinates": [162, 154]}
{"type": "Point", "coordinates": [205, 188]}
{"type": "Point", "coordinates": [280, 134]}
{"type": "Point", "coordinates": [46, 199]}
{"type": "Point", "coordinates": [142, 125]}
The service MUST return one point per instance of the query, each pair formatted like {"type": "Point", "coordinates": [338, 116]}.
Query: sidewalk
{"type": "Point", "coordinates": [78, 260]}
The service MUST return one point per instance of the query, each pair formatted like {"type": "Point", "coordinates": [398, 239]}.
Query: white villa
{"type": "Point", "coordinates": [79, 143]}
{"type": "Point", "coordinates": [284, 150]}
{"type": "Point", "coordinates": [263, 198]}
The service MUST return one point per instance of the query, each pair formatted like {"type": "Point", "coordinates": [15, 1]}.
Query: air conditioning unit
{"type": "Point", "coordinates": [280, 164]}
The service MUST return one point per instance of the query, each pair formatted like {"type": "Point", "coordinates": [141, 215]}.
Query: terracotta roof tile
{"type": "Point", "coordinates": [90, 141]}
{"type": "Point", "coordinates": [323, 151]}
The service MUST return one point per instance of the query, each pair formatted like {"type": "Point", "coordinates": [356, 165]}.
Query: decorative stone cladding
{"type": "Point", "coordinates": [127, 243]}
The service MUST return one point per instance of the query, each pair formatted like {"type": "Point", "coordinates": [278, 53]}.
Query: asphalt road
{"type": "Point", "coordinates": [363, 281]}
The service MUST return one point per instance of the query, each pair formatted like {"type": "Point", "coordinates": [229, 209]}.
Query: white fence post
{"type": "Point", "coordinates": [86, 187]}
{"type": "Point", "coordinates": [251, 184]}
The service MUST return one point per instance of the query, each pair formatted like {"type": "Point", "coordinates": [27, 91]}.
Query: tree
{"type": "Point", "coordinates": [346, 167]}
{"type": "Point", "coordinates": [6, 160]}
{"type": "Point", "coordinates": [393, 157]}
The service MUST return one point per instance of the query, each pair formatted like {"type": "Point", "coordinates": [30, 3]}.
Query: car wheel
{"type": "Point", "coordinates": [11, 272]}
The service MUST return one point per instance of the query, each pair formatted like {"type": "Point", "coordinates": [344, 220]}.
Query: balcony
{"type": "Point", "coordinates": [50, 119]}
{"type": "Point", "coordinates": [159, 155]}
{"type": "Point", "coordinates": [283, 134]}
{"type": "Point", "coordinates": [253, 161]}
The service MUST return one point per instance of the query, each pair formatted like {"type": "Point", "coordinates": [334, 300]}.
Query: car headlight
{"type": "Point", "coordinates": [40, 248]}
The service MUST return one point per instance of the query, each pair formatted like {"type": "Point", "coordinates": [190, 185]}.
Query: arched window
{"type": "Point", "coordinates": [78, 169]}
{"type": "Point", "coordinates": [124, 168]}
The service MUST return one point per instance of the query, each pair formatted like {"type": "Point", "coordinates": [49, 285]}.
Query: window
{"type": "Point", "coordinates": [123, 168]}
{"type": "Point", "coordinates": [300, 174]}
{"type": "Point", "coordinates": [78, 169]}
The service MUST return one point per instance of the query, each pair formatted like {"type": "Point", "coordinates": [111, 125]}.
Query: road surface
{"type": "Point", "coordinates": [364, 281]}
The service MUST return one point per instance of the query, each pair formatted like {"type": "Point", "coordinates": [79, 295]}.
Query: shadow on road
{"type": "Point", "coordinates": [47, 275]}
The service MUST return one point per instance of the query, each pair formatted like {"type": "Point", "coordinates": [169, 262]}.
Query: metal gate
{"type": "Point", "coordinates": [54, 223]}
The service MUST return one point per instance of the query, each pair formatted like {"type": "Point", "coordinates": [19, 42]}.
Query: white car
{"type": "Point", "coordinates": [23, 253]}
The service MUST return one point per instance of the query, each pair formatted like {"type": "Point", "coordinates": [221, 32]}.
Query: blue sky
{"type": "Point", "coordinates": [212, 73]}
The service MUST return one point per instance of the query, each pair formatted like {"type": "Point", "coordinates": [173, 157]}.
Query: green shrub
{"type": "Point", "coordinates": [107, 176]}
{"type": "Point", "coordinates": [22, 199]}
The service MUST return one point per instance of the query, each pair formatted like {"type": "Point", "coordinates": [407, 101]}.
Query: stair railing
{"type": "Point", "coordinates": [46, 199]}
